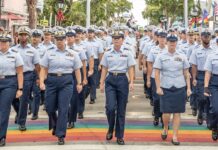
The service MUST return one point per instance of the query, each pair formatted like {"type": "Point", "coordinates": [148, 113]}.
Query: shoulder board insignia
{"type": "Point", "coordinates": [50, 48]}
{"type": "Point", "coordinates": [13, 50]}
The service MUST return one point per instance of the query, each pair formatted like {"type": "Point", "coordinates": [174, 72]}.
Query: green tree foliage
{"type": "Point", "coordinates": [169, 8]}
{"type": "Point", "coordinates": [102, 11]}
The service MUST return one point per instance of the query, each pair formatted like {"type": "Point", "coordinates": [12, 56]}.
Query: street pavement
{"type": "Point", "coordinates": [138, 108]}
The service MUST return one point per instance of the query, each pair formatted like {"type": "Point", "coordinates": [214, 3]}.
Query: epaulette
{"type": "Point", "coordinates": [13, 50]}
{"type": "Point", "coordinates": [50, 48]}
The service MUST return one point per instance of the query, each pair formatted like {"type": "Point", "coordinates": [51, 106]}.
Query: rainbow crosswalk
{"type": "Point", "coordinates": [95, 130]}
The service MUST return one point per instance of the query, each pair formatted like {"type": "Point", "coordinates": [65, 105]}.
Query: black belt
{"type": "Point", "coordinates": [6, 77]}
{"type": "Point", "coordinates": [59, 74]}
{"type": "Point", "coordinates": [117, 74]}
{"type": "Point", "coordinates": [201, 72]}
{"type": "Point", "coordinates": [27, 72]}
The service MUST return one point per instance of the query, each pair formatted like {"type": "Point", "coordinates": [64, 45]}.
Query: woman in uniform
{"type": "Point", "coordinates": [60, 63]}
{"type": "Point", "coordinates": [172, 77]}
{"type": "Point", "coordinates": [211, 91]}
{"type": "Point", "coordinates": [155, 51]}
{"type": "Point", "coordinates": [11, 82]}
{"type": "Point", "coordinates": [116, 62]}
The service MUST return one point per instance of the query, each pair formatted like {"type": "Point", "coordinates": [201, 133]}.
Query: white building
{"type": "Point", "coordinates": [14, 12]}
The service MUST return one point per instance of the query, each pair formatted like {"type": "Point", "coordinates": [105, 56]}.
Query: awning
{"type": "Point", "coordinates": [11, 17]}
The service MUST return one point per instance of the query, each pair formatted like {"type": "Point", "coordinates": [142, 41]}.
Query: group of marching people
{"type": "Point", "coordinates": [60, 67]}
{"type": "Point", "coordinates": [179, 66]}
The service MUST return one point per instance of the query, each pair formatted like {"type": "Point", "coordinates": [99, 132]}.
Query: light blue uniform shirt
{"type": "Point", "coordinates": [79, 51]}
{"type": "Point", "coordinates": [88, 53]}
{"type": "Point", "coordinates": [153, 55]}
{"type": "Point", "coordinates": [94, 46]}
{"type": "Point", "coordinates": [9, 61]}
{"type": "Point", "coordinates": [199, 56]}
{"type": "Point", "coordinates": [29, 55]}
{"type": "Point", "coordinates": [143, 41]}
{"type": "Point", "coordinates": [118, 61]}
{"type": "Point", "coordinates": [108, 40]}
{"type": "Point", "coordinates": [171, 67]}
{"type": "Point", "coordinates": [41, 49]}
{"type": "Point", "coordinates": [211, 64]}
{"type": "Point", "coordinates": [49, 46]}
{"type": "Point", "coordinates": [58, 61]}
{"type": "Point", "coordinates": [147, 48]}
{"type": "Point", "coordinates": [186, 49]}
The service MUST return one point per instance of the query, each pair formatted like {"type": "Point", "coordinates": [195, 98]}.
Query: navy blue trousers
{"type": "Point", "coordinates": [36, 97]}
{"type": "Point", "coordinates": [8, 88]}
{"type": "Point", "coordinates": [156, 99]}
{"type": "Point", "coordinates": [57, 99]}
{"type": "Point", "coordinates": [213, 111]}
{"type": "Point", "coordinates": [117, 90]}
{"type": "Point", "coordinates": [77, 101]}
{"type": "Point", "coordinates": [203, 101]}
{"type": "Point", "coordinates": [93, 80]}
{"type": "Point", "coordinates": [25, 98]}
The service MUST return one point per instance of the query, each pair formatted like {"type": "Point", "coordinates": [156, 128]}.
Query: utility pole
{"type": "Point", "coordinates": [88, 11]}
{"type": "Point", "coordinates": [186, 13]}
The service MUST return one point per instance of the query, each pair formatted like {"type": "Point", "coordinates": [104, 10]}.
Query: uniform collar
{"type": "Point", "coordinates": [27, 46]}
{"type": "Point", "coordinates": [120, 51]}
{"type": "Point", "coordinates": [209, 48]}
{"type": "Point", "coordinates": [50, 43]}
{"type": "Point", "coordinates": [7, 52]}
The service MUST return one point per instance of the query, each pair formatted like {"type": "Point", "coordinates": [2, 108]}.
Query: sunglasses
{"type": "Point", "coordinates": [60, 38]}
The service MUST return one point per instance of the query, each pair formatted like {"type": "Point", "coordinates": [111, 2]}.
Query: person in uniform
{"type": "Point", "coordinates": [211, 91]}
{"type": "Point", "coordinates": [172, 77]}
{"type": "Point", "coordinates": [47, 43]}
{"type": "Point", "coordinates": [155, 51]}
{"type": "Point", "coordinates": [11, 82]}
{"type": "Point", "coordinates": [31, 60]}
{"type": "Point", "coordinates": [197, 60]}
{"type": "Point", "coordinates": [145, 53]}
{"type": "Point", "coordinates": [95, 46]}
{"type": "Point", "coordinates": [56, 67]}
{"type": "Point", "coordinates": [89, 70]}
{"type": "Point", "coordinates": [116, 63]}
{"type": "Point", "coordinates": [37, 94]}
{"type": "Point", "coordinates": [70, 33]}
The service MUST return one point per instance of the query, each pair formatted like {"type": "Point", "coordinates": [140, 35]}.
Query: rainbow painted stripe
{"type": "Point", "coordinates": [95, 130]}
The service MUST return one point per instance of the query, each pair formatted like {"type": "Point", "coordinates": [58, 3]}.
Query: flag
{"type": "Point", "coordinates": [204, 17]}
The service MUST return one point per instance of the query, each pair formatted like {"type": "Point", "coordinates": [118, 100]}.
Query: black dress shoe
{"type": "Point", "coordinates": [175, 142]}
{"type": "Point", "coordinates": [194, 112]}
{"type": "Point", "coordinates": [2, 142]}
{"type": "Point", "coordinates": [120, 142]}
{"type": "Point", "coordinates": [109, 136]}
{"type": "Point", "coordinates": [15, 120]}
{"type": "Point", "coordinates": [164, 136]}
{"type": "Point", "coordinates": [29, 112]}
{"type": "Point", "coordinates": [61, 141]}
{"type": "Point", "coordinates": [53, 131]}
{"type": "Point", "coordinates": [200, 120]}
{"type": "Point", "coordinates": [156, 121]}
{"type": "Point", "coordinates": [92, 102]}
{"type": "Point", "coordinates": [80, 116]}
{"type": "Point", "coordinates": [214, 135]}
{"type": "Point", "coordinates": [22, 128]}
{"type": "Point", "coordinates": [70, 125]}
{"type": "Point", "coordinates": [34, 117]}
